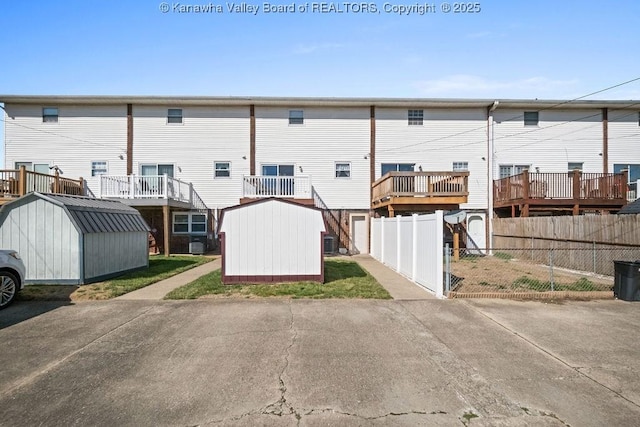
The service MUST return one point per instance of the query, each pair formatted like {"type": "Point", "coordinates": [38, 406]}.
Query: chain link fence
{"type": "Point", "coordinates": [480, 272]}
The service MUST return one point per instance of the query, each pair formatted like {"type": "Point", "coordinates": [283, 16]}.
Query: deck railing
{"type": "Point", "coordinates": [573, 185]}
{"type": "Point", "coordinates": [295, 187]}
{"type": "Point", "coordinates": [16, 183]}
{"type": "Point", "coordinates": [420, 184]}
{"type": "Point", "coordinates": [149, 187]}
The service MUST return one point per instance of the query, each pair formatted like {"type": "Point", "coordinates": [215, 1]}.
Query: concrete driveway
{"type": "Point", "coordinates": [330, 362]}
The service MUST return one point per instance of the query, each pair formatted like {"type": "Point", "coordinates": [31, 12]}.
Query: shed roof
{"type": "Point", "coordinates": [93, 215]}
{"type": "Point", "coordinates": [631, 208]}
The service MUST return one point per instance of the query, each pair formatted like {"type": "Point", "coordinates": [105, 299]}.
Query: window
{"type": "Point", "coordinates": [633, 175]}
{"type": "Point", "coordinates": [343, 170]}
{"type": "Point", "coordinates": [416, 117]}
{"type": "Point", "coordinates": [296, 117]}
{"type": "Point", "coordinates": [510, 170]}
{"type": "Point", "coordinates": [396, 167]}
{"type": "Point", "coordinates": [189, 223]}
{"type": "Point", "coordinates": [98, 167]}
{"type": "Point", "coordinates": [531, 118]}
{"type": "Point", "coordinates": [156, 169]}
{"type": "Point", "coordinates": [222, 170]}
{"type": "Point", "coordinates": [34, 167]}
{"type": "Point", "coordinates": [174, 115]}
{"type": "Point", "coordinates": [460, 166]}
{"type": "Point", "coordinates": [575, 165]}
{"type": "Point", "coordinates": [50, 114]}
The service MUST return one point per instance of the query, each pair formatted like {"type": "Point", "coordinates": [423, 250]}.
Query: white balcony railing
{"type": "Point", "coordinates": [146, 187]}
{"type": "Point", "coordinates": [295, 187]}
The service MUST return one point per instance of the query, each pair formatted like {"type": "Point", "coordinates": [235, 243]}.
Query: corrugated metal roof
{"type": "Point", "coordinates": [97, 215]}
{"type": "Point", "coordinates": [631, 208]}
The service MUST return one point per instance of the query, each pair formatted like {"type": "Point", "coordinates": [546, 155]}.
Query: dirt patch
{"type": "Point", "coordinates": [495, 274]}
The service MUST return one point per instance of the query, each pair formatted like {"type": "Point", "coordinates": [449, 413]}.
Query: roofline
{"type": "Point", "coordinates": [311, 101]}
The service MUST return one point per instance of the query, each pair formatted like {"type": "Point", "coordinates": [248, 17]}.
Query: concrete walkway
{"type": "Point", "coordinates": [158, 290]}
{"type": "Point", "coordinates": [399, 287]}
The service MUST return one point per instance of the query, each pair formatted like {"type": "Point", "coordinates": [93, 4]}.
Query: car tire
{"type": "Point", "coordinates": [9, 287]}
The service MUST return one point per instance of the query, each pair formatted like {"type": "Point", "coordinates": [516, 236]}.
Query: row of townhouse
{"type": "Point", "coordinates": [352, 157]}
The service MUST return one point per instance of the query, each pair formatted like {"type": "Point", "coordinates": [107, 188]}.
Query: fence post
{"type": "Point", "coordinates": [551, 269]}
{"type": "Point", "coordinates": [439, 273]}
{"type": "Point", "coordinates": [399, 242]}
{"type": "Point", "coordinates": [447, 269]}
{"type": "Point", "coordinates": [382, 239]}
{"type": "Point", "coordinates": [594, 258]}
{"type": "Point", "coordinates": [414, 249]}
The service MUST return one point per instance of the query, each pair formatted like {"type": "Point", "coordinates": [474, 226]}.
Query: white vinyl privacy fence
{"type": "Point", "coordinates": [412, 246]}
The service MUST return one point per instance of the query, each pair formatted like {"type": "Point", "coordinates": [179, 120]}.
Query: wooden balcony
{"type": "Point", "coordinates": [573, 192]}
{"type": "Point", "coordinates": [150, 190]}
{"type": "Point", "coordinates": [295, 188]}
{"type": "Point", "coordinates": [398, 192]}
{"type": "Point", "coordinates": [15, 183]}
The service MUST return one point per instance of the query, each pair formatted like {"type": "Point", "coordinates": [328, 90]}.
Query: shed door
{"type": "Point", "coordinates": [359, 234]}
{"type": "Point", "coordinates": [476, 233]}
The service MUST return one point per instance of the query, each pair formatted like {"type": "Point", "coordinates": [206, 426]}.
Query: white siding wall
{"type": "Point", "coordinates": [82, 134]}
{"type": "Point", "coordinates": [624, 137]}
{"type": "Point", "coordinates": [561, 136]}
{"type": "Point", "coordinates": [447, 136]}
{"type": "Point", "coordinates": [207, 135]}
{"type": "Point", "coordinates": [45, 238]}
{"type": "Point", "coordinates": [328, 135]}
{"type": "Point", "coordinates": [108, 253]}
{"type": "Point", "coordinates": [272, 238]}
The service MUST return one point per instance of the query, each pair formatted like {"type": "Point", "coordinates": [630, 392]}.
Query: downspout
{"type": "Point", "coordinates": [490, 152]}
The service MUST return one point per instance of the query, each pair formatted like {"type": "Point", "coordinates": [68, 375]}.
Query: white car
{"type": "Point", "coordinates": [12, 274]}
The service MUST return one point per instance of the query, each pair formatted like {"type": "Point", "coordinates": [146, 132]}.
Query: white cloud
{"type": "Point", "coordinates": [474, 86]}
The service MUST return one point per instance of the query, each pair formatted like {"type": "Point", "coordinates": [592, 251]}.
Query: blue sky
{"type": "Point", "coordinates": [510, 49]}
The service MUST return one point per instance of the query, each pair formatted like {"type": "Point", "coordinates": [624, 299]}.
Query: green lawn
{"type": "Point", "coordinates": [160, 267]}
{"type": "Point", "coordinates": [343, 279]}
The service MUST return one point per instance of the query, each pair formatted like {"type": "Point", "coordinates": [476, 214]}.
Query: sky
{"type": "Point", "coordinates": [497, 49]}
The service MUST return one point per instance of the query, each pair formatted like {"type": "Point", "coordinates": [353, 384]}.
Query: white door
{"type": "Point", "coordinates": [359, 234]}
{"type": "Point", "coordinates": [476, 233]}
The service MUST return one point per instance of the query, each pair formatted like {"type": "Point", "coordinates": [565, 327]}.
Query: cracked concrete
{"type": "Point", "coordinates": [307, 363]}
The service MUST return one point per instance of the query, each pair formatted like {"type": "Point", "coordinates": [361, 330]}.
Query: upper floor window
{"type": "Point", "coordinates": [460, 166]}
{"type": "Point", "coordinates": [416, 117]}
{"type": "Point", "coordinates": [531, 118]}
{"type": "Point", "coordinates": [296, 117]}
{"type": "Point", "coordinates": [343, 170]}
{"type": "Point", "coordinates": [50, 114]}
{"type": "Point", "coordinates": [174, 115]}
{"type": "Point", "coordinates": [98, 167]}
{"type": "Point", "coordinates": [222, 170]}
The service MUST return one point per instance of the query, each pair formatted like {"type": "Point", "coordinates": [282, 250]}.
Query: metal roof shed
{"type": "Point", "coordinates": [72, 239]}
{"type": "Point", "coordinates": [272, 240]}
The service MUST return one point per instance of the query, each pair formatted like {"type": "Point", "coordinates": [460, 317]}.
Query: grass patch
{"type": "Point", "coordinates": [160, 268]}
{"type": "Point", "coordinates": [583, 285]}
{"type": "Point", "coordinates": [343, 279]}
{"type": "Point", "coordinates": [502, 255]}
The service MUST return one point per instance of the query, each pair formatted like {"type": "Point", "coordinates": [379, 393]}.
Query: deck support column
{"type": "Point", "coordinates": [513, 211]}
{"type": "Point", "coordinates": [166, 222]}
{"type": "Point", "coordinates": [525, 210]}
{"type": "Point", "coordinates": [392, 212]}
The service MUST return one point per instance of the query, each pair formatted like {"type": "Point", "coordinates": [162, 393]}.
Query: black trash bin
{"type": "Point", "coordinates": [626, 285]}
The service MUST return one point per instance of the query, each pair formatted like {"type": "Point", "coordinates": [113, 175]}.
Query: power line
{"type": "Point", "coordinates": [512, 118]}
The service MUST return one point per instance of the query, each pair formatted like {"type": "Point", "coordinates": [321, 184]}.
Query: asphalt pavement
{"type": "Point", "coordinates": [328, 362]}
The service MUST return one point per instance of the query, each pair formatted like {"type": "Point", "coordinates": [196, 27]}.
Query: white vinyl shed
{"type": "Point", "coordinates": [74, 240]}
{"type": "Point", "coordinates": [272, 240]}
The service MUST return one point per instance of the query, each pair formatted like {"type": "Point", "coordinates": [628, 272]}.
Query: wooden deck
{"type": "Point", "coordinates": [15, 183]}
{"type": "Point", "coordinates": [400, 192]}
{"type": "Point", "coordinates": [569, 192]}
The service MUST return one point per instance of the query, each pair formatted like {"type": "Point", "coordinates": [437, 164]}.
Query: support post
{"type": "Point", "coordinates": [399, 242]}
{"type": "Point", "coordinates": [576, 191]}
{"type": "Point", "coordinates": [22, 181]}
{"type": "Point", "coordinates": [167, 229]}
{"type": "Point", "coordinates": [456, 242]}
{"type": "Point", "coordinates": [414, 248]}
{"type": "Point", "coordinates": [56, 182]}
{"type": "Point", "coordinates": [165, 185]}
{"type": "Point", "coordinates": [382, 221]}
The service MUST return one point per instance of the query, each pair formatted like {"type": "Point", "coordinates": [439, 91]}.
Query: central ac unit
{"type": "Point", "coordinates": [196, 248]}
